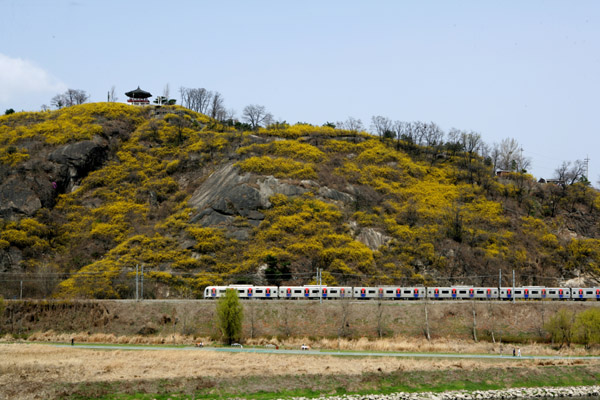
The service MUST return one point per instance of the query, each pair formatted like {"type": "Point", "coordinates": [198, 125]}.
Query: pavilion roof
{"type": "Point", "coordinates": [138, 94]}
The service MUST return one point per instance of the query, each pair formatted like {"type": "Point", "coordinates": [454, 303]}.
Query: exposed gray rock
{"type": "Point", "coordinates": [80, 158]}
{"type": "Point", "coordinates": [269, 186]}
{"type": "Point", "coordinates": [9, 258]}
{"type": "Point", "coordinates": [18, 198]}
{"type": "Point", "coordinates": [372, 238]}
{"type": "Point", "coordinates": [336, 195]}
{"type": "Point", "coordinates": [228, 193]}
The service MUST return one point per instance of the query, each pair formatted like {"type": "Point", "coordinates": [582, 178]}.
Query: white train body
{"type": "Point", "coordinates": [312, 292]}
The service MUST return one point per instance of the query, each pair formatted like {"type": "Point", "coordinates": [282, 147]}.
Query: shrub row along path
{"type": "Point", "coordinates": [332, 352]}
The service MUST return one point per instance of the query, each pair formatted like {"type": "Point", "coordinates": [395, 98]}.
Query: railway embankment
{"type": "Point", "coordinates": [500, 322]}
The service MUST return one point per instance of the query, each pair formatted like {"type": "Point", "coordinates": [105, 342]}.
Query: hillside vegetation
{"type": "Point", "coordinates": [90, 191]}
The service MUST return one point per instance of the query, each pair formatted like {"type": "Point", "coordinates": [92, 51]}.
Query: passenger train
{"type": "Point", "coordinates": [315, 292]}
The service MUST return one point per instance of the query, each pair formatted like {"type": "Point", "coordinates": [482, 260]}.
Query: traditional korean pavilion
{"type": "Point", "coordinates": [138, 97]}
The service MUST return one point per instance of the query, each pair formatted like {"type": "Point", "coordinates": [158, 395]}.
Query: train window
{"type": "Point", "coordinates": [389, 292]}
{"type": "Point", "coordinates": [553, 292]}
{"type": "Point", "coordinates": [480, 292]}
{"type": "Point", "coordinates": [445, 291]}
{"type": "Point", "coordinates": [258, 291]}
{"type": "Point", "coordinates": [462, 292]}
{"type": "Point", "coordinates": [298, 291]}
{"type": "Point", "coordinates": [333, 291]}
{"type": "Point", "coordinates": [315, 291]}
{"type": "Point", "coordinates": [517, 292]}
{"type": "Point", "coordinates": [371, 291]}
{"type": "Point", "coordinates": [589, 292]}
{"type": "Point", "coordinates": [222, 291]}
{"type": "Point", "coordinates": [407, 292]}
{"type": "Point", "coordinates": [534, 292]}
{"type": "Point", "coordinates": [241, 290]}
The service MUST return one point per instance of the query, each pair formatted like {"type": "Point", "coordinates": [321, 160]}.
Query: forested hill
{"type": "Point", "coordinates": [88, 192]}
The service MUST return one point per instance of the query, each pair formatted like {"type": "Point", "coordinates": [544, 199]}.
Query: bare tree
{"type": "Point", "coordinates": [69, 98]}
{"type": "Point", "coordinates": [112, 95]}
{"type": "Point", "coordinates": [382, 126]}
{"type": "Point", "coordinates": [433, 134]}
{"type": "Point", "coordinates": [511, 156]}
{"type": "Point", "coordinates": [58, 101]}
{"type": "Point", "coordinates": [568, 173]}
{"type": "Point", "coordinates": [198, 99]}
{"type": "Point", "coordinates": [426, 309]}
{"type": "Point", "coordinates": [351, 124]}
{"type": "Point", "coordinates": [217, 107]}
{"type": "Point", "coordinates": [256, 115]}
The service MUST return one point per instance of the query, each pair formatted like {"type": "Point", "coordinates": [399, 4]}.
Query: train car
{"type": "Point", "coordinates": [533, 292]}
{"type": "Point", "coordinates": [292, 292]}
{"type": "Point", "coordinates": [558, 293]}
{"type": "Point", "coordinates": [337, 292]}
{"type": "Point", "coordinates": [441, 293]}
{"type": "Point", "coordinates": [262, 292]}
{"type": "Point", "coordinates": [389, 292]}
{"type": "Point", "coordinates": [308, 292]}
{"type": "Point", "coordinates": [365, 293]}
{"type": "Point", "coordinates": [463, 293]}
{"type": "Point", "coordinates": [214, 292]}
{"type": "Point", "coordinates": [583, 294]}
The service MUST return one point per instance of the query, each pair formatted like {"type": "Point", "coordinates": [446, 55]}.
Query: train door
{"type": "Point", "coordinates": [509, 293]}
{"type": "Point", "coordinates": [561, 293]}
{"type": "Point", "coordinates": [363, 292]}
{"type": "Point", "coordinates": [581, 293]}
{"type": "Point", "coordinates": [249, 292]}
{"type": "Point", "coordinates": [489, 293]}
{"type": "Point", "coordinates": [324, 291]}
{"type": "Point", "coordinates": [380, 293]}
{"type": "Point", "coordinates": [598, 294]}
{"type": "Point", "coordinates": [398, 293]}
{"type": "Point", "coordinates": [436, 293]}
{"type": "Point", "coordinates": [526, 293]}
{"type": "Point", "coordinates": [453, 293]}
{"type": "Point", "coordinates": [306, 292]}
{"type": "Point", "coordinates": [268, 292]}
{"type": "Point", "coordinates": [288, 292]}
{"type": "Point", "coordinates": [543, 293]}
{"type": "Point", "coordinates": [416, 293]}
{"type": "Point", "coordinates": [471, 293]}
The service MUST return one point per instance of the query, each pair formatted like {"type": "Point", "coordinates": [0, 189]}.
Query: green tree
{"type": "Point", "coordinates": [9, 111]}
{"type": "Point", "coordinates": [587, 327]}
{"type": "Point", "coordinates": [560, 327]}
{"type": "Point", "coordinates": [229, 316]}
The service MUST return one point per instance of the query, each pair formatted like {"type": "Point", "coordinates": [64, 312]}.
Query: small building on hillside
{"type": "Point", "coordinates": [138, 97]}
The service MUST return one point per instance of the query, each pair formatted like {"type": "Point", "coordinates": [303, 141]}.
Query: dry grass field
{"type": "Point", "coordinates": [36, 371]}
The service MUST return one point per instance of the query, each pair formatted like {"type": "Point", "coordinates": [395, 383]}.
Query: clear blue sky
{"type": "Point", "coordinates": [522, 69]}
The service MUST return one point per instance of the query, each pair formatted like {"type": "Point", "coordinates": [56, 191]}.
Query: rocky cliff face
{"type": "Point", "coordinates": [38, 181]}
{"type": "Point", "coordinates": [228, 193]}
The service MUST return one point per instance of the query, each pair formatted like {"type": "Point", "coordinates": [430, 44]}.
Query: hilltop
{"type": "Point", "coordinates": [90, 191]}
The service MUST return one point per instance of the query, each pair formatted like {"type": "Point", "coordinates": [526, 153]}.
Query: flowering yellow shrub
{"type": "Point", "coordinates": [287, 148]}
{"type": "Point", "coordinates": [278, 167]}
{"type": "Point", "coordinates": [12, 155]}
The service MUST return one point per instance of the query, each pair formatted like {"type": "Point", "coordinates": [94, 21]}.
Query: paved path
{"type": "Point", "coordinates": [328, 353]}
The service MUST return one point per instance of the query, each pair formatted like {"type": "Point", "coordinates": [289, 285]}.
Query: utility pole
{"type": "Point", "coordinates": [499, 280]}
{"type": "Point", "coordinates": [320, 286]}
{"type": "Point", "coordinates": [136, 283]}
{"type": "Point", "coordinates": [142, 281]}
{"type": "Point", "coordinates": [21, 295]}
{"type": "Point", "coordinates": [513, 290]}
